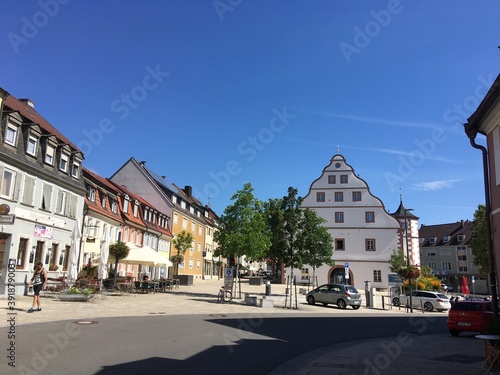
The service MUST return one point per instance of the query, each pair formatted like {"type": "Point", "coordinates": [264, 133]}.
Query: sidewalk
{"type": "Point", "coordinates": [411, 354]}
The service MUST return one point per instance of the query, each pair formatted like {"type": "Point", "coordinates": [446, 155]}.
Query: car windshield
{"type": "Point", "coordinates": [443, 296]}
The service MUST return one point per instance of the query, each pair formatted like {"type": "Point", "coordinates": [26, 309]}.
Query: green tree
{"type": "Point", "coordinates": [293, 224]}
{"type": "Point", "coordinates": [479, 240]}
{"type": "Point", "coordinates": [316, 242]}
{"type": "Point", "coordinates": [119, 250]}
{"type": "Point", "coordinates": [243, 229]}
{"type": "Point", "coordinates": [181, 242]}
{"type": "Point", "coordinates": [274, 221]}
{"type": "Point", "coordinates": [397, 261]}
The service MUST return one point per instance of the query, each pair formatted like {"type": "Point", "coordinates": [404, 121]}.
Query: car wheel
{"type": "Point", "coordinates": [325, 304]}
{"type": "Point", "coordinates": [428, 306]}
{"type": "Point", "coordinates": [310, 300]}
{"type": "Point", "coordinates": [355, 307]}
{"type": "Point", "coordinates": [395, 301]}
{"type": "Point", "coordinates": [341, 303]}
{"type": "Point", "coordinates": [454, 332]}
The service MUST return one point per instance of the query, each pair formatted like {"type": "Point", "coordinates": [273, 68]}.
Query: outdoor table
{"type": "Point", "coordinates": [492, 355]}
{"type": "Point", "coordinates": [153, 286]}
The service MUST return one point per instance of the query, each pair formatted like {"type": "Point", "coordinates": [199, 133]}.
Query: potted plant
{"type": "Point", "coordinates": [76, 294]}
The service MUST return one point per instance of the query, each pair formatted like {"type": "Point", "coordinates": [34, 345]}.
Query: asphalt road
{"type": "Point", "coordinates": [193, 344]}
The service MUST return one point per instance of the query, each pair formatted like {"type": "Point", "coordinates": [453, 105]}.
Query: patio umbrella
{"type": "Point", "coordinates": [73, 251]}
{"type": "Point", "coordinates": [103, 259]}
{"type": "Point", "coordinates": [465, 285]}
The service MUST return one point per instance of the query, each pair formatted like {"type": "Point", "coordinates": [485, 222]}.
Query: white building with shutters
{"type": "Point", "coordinates": [41, 195]}
{"type": "Point", "coordinates": [364, 234]}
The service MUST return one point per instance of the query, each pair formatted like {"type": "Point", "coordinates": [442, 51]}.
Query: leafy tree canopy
{"type": "Point", "coordinates": [479, 243]}
{"type": "Point", "coordinates": [243, 229]}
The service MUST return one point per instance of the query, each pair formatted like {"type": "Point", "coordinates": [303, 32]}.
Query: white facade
{"type": "Point", "coordinates": [364, 234]}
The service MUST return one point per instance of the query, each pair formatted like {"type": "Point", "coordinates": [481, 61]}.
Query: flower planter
{"type": "Point", "coordinates": [75, 297]}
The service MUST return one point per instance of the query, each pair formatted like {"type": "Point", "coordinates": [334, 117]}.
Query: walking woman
{"type": "Point", "coordinates": [39, 282]}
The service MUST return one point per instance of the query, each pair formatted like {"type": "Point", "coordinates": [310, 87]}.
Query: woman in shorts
{"type": "Point", "coordinates": [39, 282]}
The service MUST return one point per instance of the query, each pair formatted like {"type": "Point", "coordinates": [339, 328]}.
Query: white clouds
{"type": "Point", "coordinates": [436, 185]}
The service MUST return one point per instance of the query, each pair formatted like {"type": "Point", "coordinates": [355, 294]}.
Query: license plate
{"type": "Point", "coordinates": [355, 302]}
{"type": "Point", "coordinates": [463, 324]}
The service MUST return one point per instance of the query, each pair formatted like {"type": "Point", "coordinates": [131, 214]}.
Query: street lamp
{"type": "Point", "coordinates": [408, 254]}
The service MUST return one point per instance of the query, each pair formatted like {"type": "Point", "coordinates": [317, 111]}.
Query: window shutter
{"type": "Point", "coordinates": [17, 186]}
{"type": "Point", "coordinates": [29, 188]}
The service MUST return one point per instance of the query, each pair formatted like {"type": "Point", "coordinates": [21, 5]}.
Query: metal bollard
{"type": "Point", "coordinates": [268, 288]}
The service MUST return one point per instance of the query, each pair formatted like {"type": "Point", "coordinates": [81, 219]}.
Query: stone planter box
{"type": "Point", "coordinates": [75, 297]}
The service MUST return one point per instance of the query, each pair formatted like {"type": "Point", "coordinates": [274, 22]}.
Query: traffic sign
{"type": "Point", "coordinates": [346, 264]}
{"type": "Point", "coordinates": [229, 272]}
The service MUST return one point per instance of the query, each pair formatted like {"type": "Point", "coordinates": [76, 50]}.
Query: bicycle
{"type": "Point", "coordinates": [225, 294]}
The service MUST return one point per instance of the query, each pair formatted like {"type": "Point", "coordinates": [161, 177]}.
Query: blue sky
{"type": "Point", "coordinates": [214, 94]}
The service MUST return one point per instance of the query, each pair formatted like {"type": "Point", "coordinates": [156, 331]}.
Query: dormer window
{"type": "Point", "coordinates": [63, 163]}
{"type": "Point", "coordinates": [75, 170]}
{"type": "Point", "coordinates": [421, 240]}
{"type": "Point", "coordinates": [91, 194]}
{"type": "Point", "coordinates": [125, 204]}
{"type": "Point", "coordinates": [136, 208]}
{"type": "Point", "coordinates": [446, 238]}
{"type": "Point", "coordinates": [32, 146]}
{"type": "Point", "coordinates": [114, 206]}
{"type": "Point", "coordinates": [432, 239]}
{"type": "Point", "coordinates": [11, 135]}
{"type": "Point", "coordinates": [103, 200]}
{"type": "Point", "coordinates": [49, 154]}
{"type": "Point", "coordinates": [183, 205]}
{"type": "Point", "coordinates": [460, 237]}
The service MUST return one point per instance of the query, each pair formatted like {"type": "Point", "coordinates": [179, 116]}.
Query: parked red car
{"type": "Point", "coordinates": [469, 316]}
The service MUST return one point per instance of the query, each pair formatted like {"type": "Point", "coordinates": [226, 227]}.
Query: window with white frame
{"type": "Point", "coordinates": [191, 263]}
{"type": "Point", "coordinates": [125, 203]}
{"type": "Point", "coordinates": [432, 266]}
{"type": "Point", "coordinates": [460, 237]}
{"type": "Point", "coordinates": [445, 252]}
{"type": "Point", "coordinates": [75, 170]}
{"type": "Point", "coordinates": [200, 230]}
{"type": "Point", "coordinates": [377, 276]}
{"type": "Point", "coordinates": [431, 253]}
{"type": "Point", "coordinates": [136, 208]}
{"type": "Point", "coordinates": [446, 238]}
{"type": "Point", "coordinates": [11, 135]}
{"type": "Point", "coordinates": [46, 203]}
{"type": "Point", "coordinates": [184, 223]}
{"type": "Point", "coordinates": [31, 146]}
{"type": "Point", "coordinates": [432, 239]}
{"type": "Point", "coordinates": [446, 266]}
{"type": "Point", "coordinates": [8, 183]}
{"type": "Point", "coordinates": [63, 163]}
{"type": "Point", "coordinates": [49, 154]}
{"type": "Point", "coordinates": [176, 218]}
{"type": "Point", "coordinates": [370, 244]}
{"type": "Point", "coordinates": [114, 206]}
{"type": "Point", "coordinates": [104, 198]}
{"type": "Point", "coordinates": [193, 227]}
{"type": "Point", "coordinates": [183, 204]}
{"type": "Point", "coordinates": [192, 247]}
{"type": "Point", "coordinates": [370, 217]}
{"type": "Point", "coordinates": [91, 194]}
{"type": "Point", "coordinates": [339, 217]}
{"type": "Point", "coordinates": [198, 263]}
{"type": "Point", "coordinates": [61, 202]}
{"type": "Point", "coordinates": [356, 196]}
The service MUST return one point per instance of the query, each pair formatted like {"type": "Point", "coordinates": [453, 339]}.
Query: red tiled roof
{"type": "Point", "coordinates": [29, 113]}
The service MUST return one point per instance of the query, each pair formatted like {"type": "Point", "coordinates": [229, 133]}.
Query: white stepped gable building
{"type": "Point", "coordinates": [364, 234]}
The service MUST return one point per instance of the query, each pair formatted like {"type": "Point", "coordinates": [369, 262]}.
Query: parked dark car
{"type": "Point", "coordinates": [341, 295]}
{"type": "Point", "coordinates": [470, 316]}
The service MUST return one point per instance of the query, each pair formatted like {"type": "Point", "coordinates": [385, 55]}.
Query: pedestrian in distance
{"type": "Point", "coordinates": [39, 282]}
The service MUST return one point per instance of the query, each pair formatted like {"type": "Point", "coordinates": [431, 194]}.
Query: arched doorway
{"type": "Point", "coordinates": [337, 276]}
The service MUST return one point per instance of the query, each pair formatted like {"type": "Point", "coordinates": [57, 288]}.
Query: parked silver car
{"type": "Point", "coordinates": [424, 299]}
{"type": "Point", "coordinates": [335, 294]}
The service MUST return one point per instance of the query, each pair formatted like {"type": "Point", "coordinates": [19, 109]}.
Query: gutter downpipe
{"type": "Point", "coordinates": [491, 253]}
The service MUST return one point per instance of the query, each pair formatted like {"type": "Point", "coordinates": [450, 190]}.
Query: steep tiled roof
{"type": "Point", "coordinates": [452, 230]}
{"type": "Point", "coordinates": [30, 114]}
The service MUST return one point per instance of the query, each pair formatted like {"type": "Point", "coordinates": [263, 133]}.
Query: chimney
{"type": "Point", "coordinates": [143, 163]}
{"type": "Point", "coordinates": [462, 223]}
{"type": "Point", "coordinates": [189, 191]}
{"type": "Point", "coordinates": [28, 102]}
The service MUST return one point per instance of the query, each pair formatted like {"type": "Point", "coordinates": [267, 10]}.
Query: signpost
{"type": "Point", "coordinates": [346, 271]}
